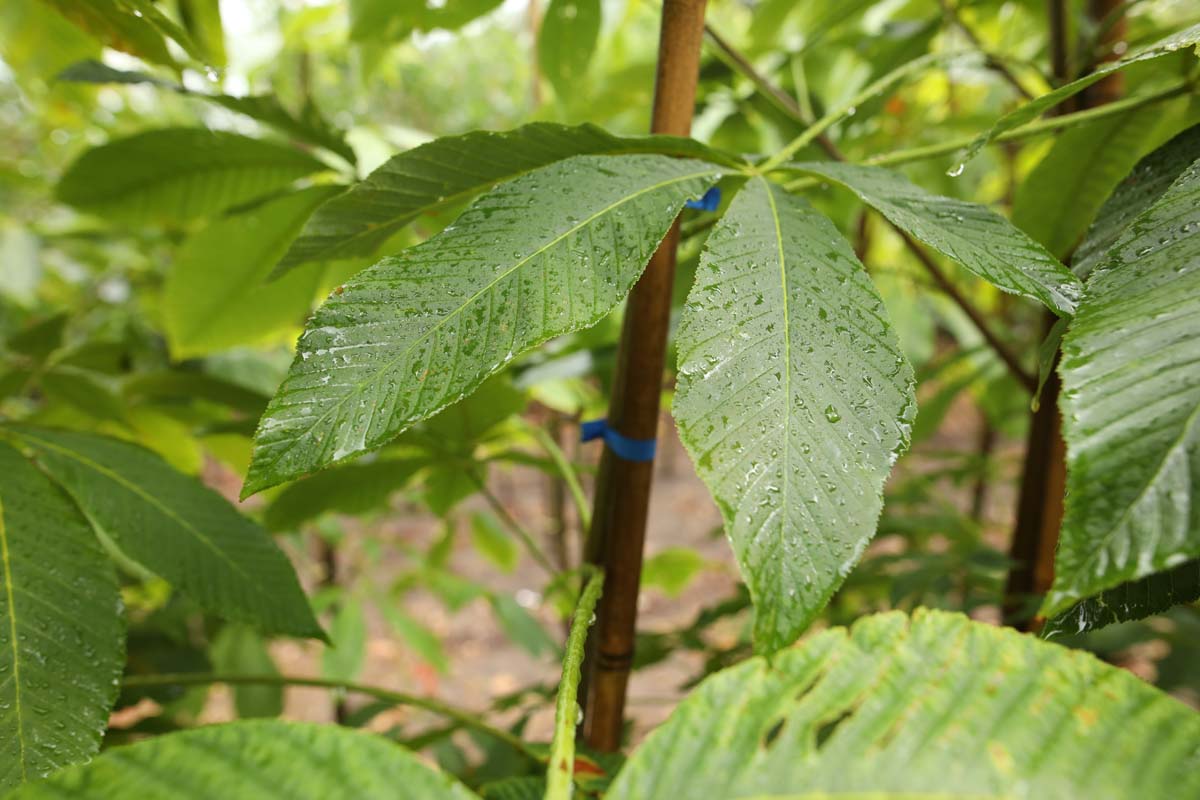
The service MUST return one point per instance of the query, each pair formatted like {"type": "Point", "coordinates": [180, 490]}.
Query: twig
{"type": "Point", "coordinates": [464, 718]}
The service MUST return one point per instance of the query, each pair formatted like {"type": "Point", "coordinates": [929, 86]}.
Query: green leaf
{"type": "Point", "coordinates": [520, 627]}
{"type": "Point", "coordinates": [215, 296]}
{"type": "Point", "coordinates": [570, 29]}
{"type": "Point", "coordinates": [1152, 176]}
{"type": "Point", "coordinates": [973, 235]}
{"type": "Point", "coordinates": [929, 706]}
{"type": "Point", "coordinates": [61, 633]}
{"type": "Point", "coordinates": [493, 542]}
{"type": "Point", "coordinates": [173, 175]}
{"type": "Point", "coordinates": [175, 385]}
{"type": "Point", "coordinates": [547, 254]}
{"type": "Point", "coordinates": [1130, 404]}
{"type": "Point", "coordinates": [1153, 594]}
{"type": "Point", "coordinates": [176, 527]}
{"type": "Point", "coordinates": [253, 760]}
{"type": "Point", "coordinates": [392, 20]}
{"type": "Point", "coordinates": [347, 489]}
{"type": "Point", "coordinates": [1060, 197]}
{"type": "Point", "coordinates": [310, 126]}
{"type": "Point", "coordinates": [1181, 40]}
{"type": "Point", "coordinates": [423, 641]}
{"type": "Point", "coordinates": [239, 650]}
{"type": "Point", "coordinates": [793, 400]}
{"type": "Point", "coordinates": [671, 570]}
{"type": "Point", "coordinates": [559, 774]}
{"type": "Point", "coordinates": [343, 659]}
{"type": "Point", "coordinates": [114, 24]}
{"type": "Point", "coordinates": [202, 20]}
{"type": "Point", "coordinates": [450, 171]}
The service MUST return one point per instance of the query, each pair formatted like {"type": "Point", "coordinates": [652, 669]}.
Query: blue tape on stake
{"type": "Point", "coordinates": [710, 202]}
{"type": "Point", "coordinates": [623, 446]}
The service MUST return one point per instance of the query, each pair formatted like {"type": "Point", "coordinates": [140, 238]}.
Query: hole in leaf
{"type": "Point", "coordinates": [827, 728]}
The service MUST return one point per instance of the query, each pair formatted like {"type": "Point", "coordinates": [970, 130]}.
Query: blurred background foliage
{"type": "Point", "coordinates": [157, 322]}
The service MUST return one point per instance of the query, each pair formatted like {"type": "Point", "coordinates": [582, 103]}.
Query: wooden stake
{"type": "Point", "coordinates": [623, 487]}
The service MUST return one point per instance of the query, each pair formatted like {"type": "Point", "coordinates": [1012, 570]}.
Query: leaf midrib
{"type": "Point", "coordinates": [151, 500]}
{"type": "Point", "coordinates": [12, 625]}
{"type": "Point", "coordinates": [358, 387]}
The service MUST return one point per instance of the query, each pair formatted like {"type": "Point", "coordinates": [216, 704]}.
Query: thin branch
{"type": "Point", "coordinates": [512, 524]}
{"type": "Point", "coordinates": [464, 718]}
{"type": "Point", "coordinates": [994, 62]}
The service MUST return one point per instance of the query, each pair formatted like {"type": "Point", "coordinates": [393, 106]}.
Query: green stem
{"type": "Point", "coordinates": [464, 718]}
{"type": "Point", "coordinates": [566, 709]}
{"type": "Point", "coordinates": [568, 473]}
{"type": "Point", "coordinates": [874, 89]}
{"type": "Point", "coordinates": [513, 525]}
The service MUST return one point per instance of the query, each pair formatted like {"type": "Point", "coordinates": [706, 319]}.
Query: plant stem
{"type": "Point", "coordinates": [568, 474]}
{"type": "Point", "coordinates": [994, 62]}
{"type": "Point", "coordinates": [510, 522]}
{"type": "Point", "coordinates": [464, 718]}
{"type": "Point", "coordinates": [566, 709]}
{"type": "Point", "coordinates": [618, 530]}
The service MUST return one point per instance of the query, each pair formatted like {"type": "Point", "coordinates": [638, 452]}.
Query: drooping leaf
{"type": "Point", "coordinates": [793, 400]}
{"type": "Point", "coordinates": [973, 235]}
{"type": "Point", "coordinates": [174, 175]}
{"type": "Point", "coordinates": [568, 36]}
{"type": "Point", "coordinates": [1181, 40]}
{"type": "Point", "coordinates": [929, 706]}
{"type": "Point", "coordinates": [253, 760]}
{"type": "Point", "coordinates": [346, 489]}
{"type": "Point", "coordinates": [451, 170]}
{"type": "Point", "coordinates": [1130, 404]}
{"type": "Point", "coordinates": [310, 126]}
{"type": "Point", "coordinates": [215, 294]}
{"type": "Point", "coordinates": [202, 21]}
{"type": "Point", "coordinates": [240, 650]}
{"type": "Point", "coordinates": [548, 253]}
{"type": "Point", "coordinates": [177, 528]}
{"type": "Point", "coordinates": [1060, 197]}
{"type": "Point", "coordinates": [493, 542]}
{"type": "Point", "coordinates": [61, 633]}
{"type": "Point", "coordinates": [1153, 594]}
{"type": "Point", "coordinates": [1141, 188]}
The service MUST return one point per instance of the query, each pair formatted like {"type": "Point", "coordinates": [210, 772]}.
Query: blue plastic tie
{"type": "Point", "coordinates": [710, 201]}
{"type": "Point", "coordinates": [623, 446]}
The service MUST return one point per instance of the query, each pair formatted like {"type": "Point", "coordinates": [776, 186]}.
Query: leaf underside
{"type": "Point", "coordinates": [61, 634]}
{"type": "Point", "coordinates": [547, 254]}
{"type": "Point", "coordinates": [973, 235]}
{"type": "Point", "coordinates": [793, 400]}
{"type": "Point", "coordinates": [1130, 403]}
{"type": "Point", "coordinates": [449, 171]}
{"type": "Point", "coordinates": [1153, 594]}
{"type": "Point", "coordinates": [932, 705]}
{"type": "Point", "coordinates": [177, 528]}
{"type": "Point", "coordinates": [257, 760]}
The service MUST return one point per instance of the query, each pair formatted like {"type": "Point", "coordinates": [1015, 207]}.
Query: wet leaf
{"type": "Point", "coordinates": [1130, 404]}
{"type": "Point", "coordinates": [177, 528]}
{"type": "Point", "coordinates": [1138, 599]}
{"type": "Point", "coordinates": [452, 170]}
{"type": "Point", "coordinates": [173, 175]}
{"type": "Point", "coordinates": [548, 253]}
{"type": "Point", "coordinates": [973, 235]}
{"type": "Point", "coordinates": [793, 400]}
{"type": "Point", "coordinates": [929, 706]}
{"type": "Point", "coordinates": [253, 760]}
{"type": "Point", "coordinates": [61, 632]}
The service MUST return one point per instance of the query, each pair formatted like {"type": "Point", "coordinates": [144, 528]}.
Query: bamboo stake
{"type": "Point", "coordinates": [623, 487]}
